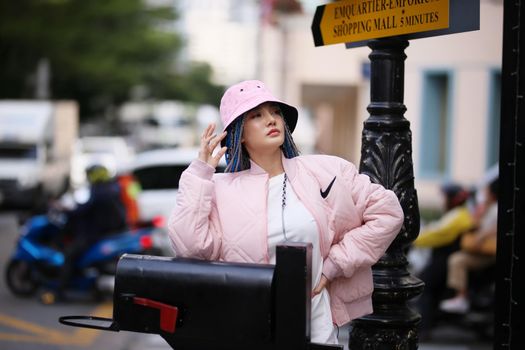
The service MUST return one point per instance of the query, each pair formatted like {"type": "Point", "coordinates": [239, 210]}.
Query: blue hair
{"type": "Point", "coordinates": [237, 157]}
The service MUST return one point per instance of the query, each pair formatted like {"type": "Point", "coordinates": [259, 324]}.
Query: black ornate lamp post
{"type": "Point", "coordinates": [386, 156]}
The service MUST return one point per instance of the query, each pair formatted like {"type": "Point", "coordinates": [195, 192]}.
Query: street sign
{"type": "Point", "coordinates": [463, 17]}
{"type": "Point", "coordinates": [357, 20]}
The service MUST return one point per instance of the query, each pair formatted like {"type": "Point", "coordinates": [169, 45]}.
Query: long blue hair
{"type": "Point", "coordinates": [237, 157]}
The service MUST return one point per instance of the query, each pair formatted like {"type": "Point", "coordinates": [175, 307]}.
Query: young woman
{"type": "Point", "coordinates": [270, 195]}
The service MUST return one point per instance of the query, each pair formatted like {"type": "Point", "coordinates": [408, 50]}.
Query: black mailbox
{"type": "Point", "coordinates": [195, 304]}
{"type": "Point", "coordinates": [199, 295]}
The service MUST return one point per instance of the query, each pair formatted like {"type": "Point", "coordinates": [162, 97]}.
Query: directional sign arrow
{"type": "Point", "coordinates": [316, 25]}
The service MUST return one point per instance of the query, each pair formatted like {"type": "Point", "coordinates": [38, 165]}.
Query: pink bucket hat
{"type": "Point", "coordinates": [242, 97]}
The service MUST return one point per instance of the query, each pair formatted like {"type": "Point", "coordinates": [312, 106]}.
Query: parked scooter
{"type": "Point", "coordinates": [37, 259]}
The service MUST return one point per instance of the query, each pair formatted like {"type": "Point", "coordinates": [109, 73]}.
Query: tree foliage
{"type": "Point", "coordinates": [98, 50]}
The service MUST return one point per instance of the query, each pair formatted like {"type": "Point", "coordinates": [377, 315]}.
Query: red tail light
{"type": "Point", "coordinates": [146, 242]}
{"type": "Point", "coordinates": [158, 221]}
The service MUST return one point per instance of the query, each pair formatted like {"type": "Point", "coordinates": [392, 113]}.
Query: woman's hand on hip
{"type": "Point", "coordinates": [320, 286]}
{"type": "Point", "coordinates": [209, 141]}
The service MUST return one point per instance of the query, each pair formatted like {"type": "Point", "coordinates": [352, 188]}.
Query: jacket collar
{"type": "Point", "coordinates": [289, 166]}
{"type": "Point", "coordinates": [255, 169]}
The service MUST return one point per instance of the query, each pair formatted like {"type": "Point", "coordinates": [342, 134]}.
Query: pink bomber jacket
{"type": "Point", "coordinates": [223, 217]}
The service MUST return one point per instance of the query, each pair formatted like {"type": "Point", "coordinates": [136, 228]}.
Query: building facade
{"type": "Point", "coordinates": [452, 84]}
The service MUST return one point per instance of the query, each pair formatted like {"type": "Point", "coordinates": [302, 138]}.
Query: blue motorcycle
{"type": "Point", "coordinates": [37, 259]}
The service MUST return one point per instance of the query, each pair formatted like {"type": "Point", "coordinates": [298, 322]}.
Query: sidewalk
{"type": "Point", "coordinates": [444, 338]}
{"type": "Point", "coordinates": [452, 338]}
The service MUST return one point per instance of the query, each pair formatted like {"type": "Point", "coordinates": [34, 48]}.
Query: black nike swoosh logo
{"type": "Point", "coordinates": [324, 193]}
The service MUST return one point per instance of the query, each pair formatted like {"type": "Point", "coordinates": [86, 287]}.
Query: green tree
{"type": "Point", "coordinates": [97, 52]}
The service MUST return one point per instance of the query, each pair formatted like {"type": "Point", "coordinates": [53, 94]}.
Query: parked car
{"type": "Point", "coordinates": [158, 172]}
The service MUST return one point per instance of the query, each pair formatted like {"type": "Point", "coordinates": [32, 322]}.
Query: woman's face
{"type": "Point", "coordinates": [263, 129]}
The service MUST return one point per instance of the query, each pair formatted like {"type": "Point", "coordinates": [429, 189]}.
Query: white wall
{"type": "Point", "coordinates": [469, 57]}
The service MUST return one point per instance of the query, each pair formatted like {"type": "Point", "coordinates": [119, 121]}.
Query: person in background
{"type": "Point", "coordinates": [129, 190]}
{"type": "Point", "coordinates": [458, 218]}
{"type": "Point", "coordinates": [442, 238]}
{"type": "Point", "coordinates": [270, 195]}
{"type": "Point", "coordinates": [102, 214]}
{"type": "Point", "coordinates": [472, 257]}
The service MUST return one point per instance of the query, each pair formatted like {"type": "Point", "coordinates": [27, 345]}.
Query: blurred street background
{"type": "Point", "coordinates": [26, 323]}
{"type": "Point", "coordinates": [130, 85]}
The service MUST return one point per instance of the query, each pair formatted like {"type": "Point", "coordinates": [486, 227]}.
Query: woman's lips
{"type": "Point", "coordinates": [273, 132]}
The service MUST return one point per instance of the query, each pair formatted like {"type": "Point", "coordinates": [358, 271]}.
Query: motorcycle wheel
{"type": "Point", "coordinates": [19, 278]}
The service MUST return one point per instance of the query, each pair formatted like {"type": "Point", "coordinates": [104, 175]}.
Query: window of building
{"type": "Point", "coordinates": [493, 125]}
{"type": "Point", "coordinates": [436, 140]}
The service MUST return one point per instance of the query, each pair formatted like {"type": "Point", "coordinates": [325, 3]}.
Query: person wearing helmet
{"type": "Point", "coordinates": [270, 195]}
{"type": "Point", "coordinates": [102, 214]}
{"type": "Point", "coordinates": [97, 174]}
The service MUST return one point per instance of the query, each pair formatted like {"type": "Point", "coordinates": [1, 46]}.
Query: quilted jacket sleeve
{"type": "Point", "coordinates": [381, 219]}
{"type": "Point", "coordinates": [193, 226]}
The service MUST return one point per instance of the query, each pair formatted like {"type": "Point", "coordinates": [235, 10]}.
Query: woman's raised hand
{"type": "Point", "coordinates": [209, 141]}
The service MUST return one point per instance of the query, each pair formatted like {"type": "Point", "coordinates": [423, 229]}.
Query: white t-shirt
{"type": "Point", "coordinates": [300, 227]}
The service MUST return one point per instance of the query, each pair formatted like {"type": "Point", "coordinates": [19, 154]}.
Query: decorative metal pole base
{"type": "Point", "coordinates": [386, 156]}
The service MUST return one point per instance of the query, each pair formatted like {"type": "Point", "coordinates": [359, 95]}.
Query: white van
{"type": "Point", "coordinates": [36, 142]}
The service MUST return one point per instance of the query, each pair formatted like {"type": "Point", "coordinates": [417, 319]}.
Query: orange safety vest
{"type": "Point", "coordinates": [129, 189]}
